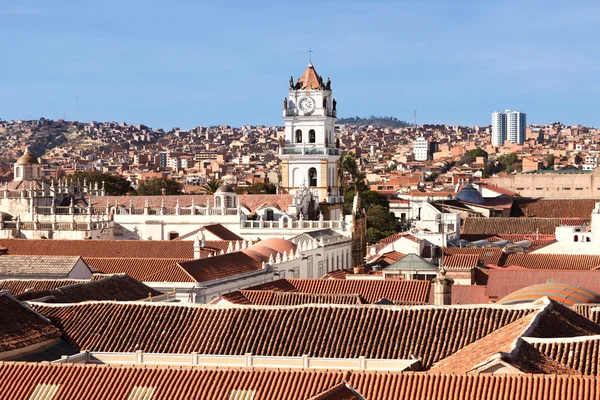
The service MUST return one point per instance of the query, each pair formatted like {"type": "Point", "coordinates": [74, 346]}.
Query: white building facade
{"type": "Point", "coordinates": [421, 149]}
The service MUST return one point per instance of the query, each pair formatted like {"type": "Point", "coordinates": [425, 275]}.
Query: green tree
{"type": "Point", "coordinates": [478, 152]}
{"type": "Point", "coordinates": [374, 235]}
{"type": "Point", "coordinates": [347, 169]}
{"type": "Point", "coordinates": [550, 159]}
{"type": "Point", "coordinates": [380, 218]}
{"type": "Point", "coordinates": [114, 185]}
{"type": "Point", "coordinates": [154, 187]}
{"type": "Point", "coordinates": [210, 187]}
{"type": "Point", "coordinates": [257, 188]}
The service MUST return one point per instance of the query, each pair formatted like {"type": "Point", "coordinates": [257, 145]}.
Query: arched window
{"type": "Point", "coordinates": [298, 136]}
{"type": "Point", "coordinates": [312, 137]}
{"type": "Point", "coordinates": [576, 238]}
{"type": "Point", "coordinates": [312, 177]}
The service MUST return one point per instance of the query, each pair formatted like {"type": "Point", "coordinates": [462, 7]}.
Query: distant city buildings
{"type": "Point", "coordinates": [508, 125]}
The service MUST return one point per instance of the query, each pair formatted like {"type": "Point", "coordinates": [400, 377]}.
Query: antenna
{"type": "Point", "coordinates": [77, 108]}
{"type": "Point", "coordinates": [415, 118]}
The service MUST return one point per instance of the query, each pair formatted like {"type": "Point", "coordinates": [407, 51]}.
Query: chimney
{"type": "Point", "coordinates": [442, 289]}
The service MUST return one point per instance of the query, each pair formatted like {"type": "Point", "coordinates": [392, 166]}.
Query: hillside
{"type": "Point", "coordinates": [384, 122]}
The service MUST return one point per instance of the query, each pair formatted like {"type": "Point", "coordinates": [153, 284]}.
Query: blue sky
{"type": "Point", "coordinates": [188, 63]}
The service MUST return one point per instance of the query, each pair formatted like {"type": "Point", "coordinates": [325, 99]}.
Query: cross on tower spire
{"type": "Point", "coordinates": [310, 51]}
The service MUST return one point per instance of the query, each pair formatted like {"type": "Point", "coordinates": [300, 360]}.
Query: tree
{"type": "Point", "coordinates": [380, 218]}
{"type": "Point", "coordinates": [114, 185]}
{"type": "Point", "coordinates": [550, 159]}
{"type": "Point", "coordinates": [347, 166]}
{"type": "Point", "coordinates": [478, 152]}
{"type": "Point", "coordinates": [210, 187]}
{"type": "Point", "coordinates": [154, 187]}
{"type": "Point", "coordinates": [374, 235]}
{"type": "Point", "coordinates": [257, 188]}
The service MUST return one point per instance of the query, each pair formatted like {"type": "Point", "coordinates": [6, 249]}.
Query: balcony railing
{"type": "Point", "coordinates": [293, 112]}
{"type": "Point", "coordinates": [309, 151]}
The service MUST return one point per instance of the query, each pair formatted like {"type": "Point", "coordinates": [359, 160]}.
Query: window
{"type": "Point", "coordinates": [269, 215]}
{"type": "Point", "coordinates": [566, 188]}
{"type": "Point", "coordinates": [578, 188]}
{"type": "Point", "coordinates": [312, 177]}
{"type": "Point", "coordinates": [298, 136]}
{"type": "Point", "coordinates": [173, 235]}
{"type": "Point", "coordinates": [312, 136]}
{"type": "Point", "coordinates": [520, 188]}
{"type": "Point", "coordinates": [539, 188]}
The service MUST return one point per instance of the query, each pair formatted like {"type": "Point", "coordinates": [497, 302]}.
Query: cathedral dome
{"type": "Point", "coordinates": [469, 194]}
{"type": "Point", "coordinates": [225, 188]}
{"type": "Point", "coordinates": [27, 158]}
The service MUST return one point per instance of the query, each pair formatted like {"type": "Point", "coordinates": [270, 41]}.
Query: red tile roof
{"type": "Point", "coordinates": [21, 326]}
{"type": "Point", "coordinates": [553, 261]}
{"type": "Point", "coordinates": [114, 287]}
{"type": "Point", "coordinates": [503, 282]}
{"type": "Point", "coordinates": [194, 383]}
{"type": "Point", "coordinates": [554, 208]}
{"type": "Point", "coordinates": [469, 294]}
{"type": "Point", "coordinates": [101, 248]}
{"type": "Point", "coordinates": [492, 226]}
{"type": "Point", "coordinates": [429, 332]}
{"type": "Point", "coordinates": [143, 269]}
{"type": "Point", "coordinates": [461, 261]}
{"type": "Point", "coordinates": [580, 353]}
{"type": "Point", "coordinates": [309, 79]}
{"type": "Point", "coordinates": [341, 391]}
{"type": "Point", "coordinates": [486, 255]}
{"type": "Point", "coordinates": [371, 290]}
{"type": "Point", "coordinates": [551, 321]}
{"type": "Point", "coordinates": [272, 298]}
{"type": "Point", "coordinates": [19, 286]}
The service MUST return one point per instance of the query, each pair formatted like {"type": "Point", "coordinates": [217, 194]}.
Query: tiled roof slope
{"type": "Point", "coordinates": [174, 383]}
{"type": "Point", "coordinates": [271, 298]}
{"type": "Point", "coordinates": [429, 332]}
{"type": "Point", "coordinates": [20, 326]}
{"type": "Point", "coordinates": [341, 391]}
{"type": "Point", "coordinates": [223, 266]}
{"type": "Point", "coordinates": [114, 287]}
{"type": "Point", "coordinates": [37, 265]}
{"type": "Point", "coordinates": [486, 255]}
{"type": "Point", "coordinates": [553, 261]}
{"type": "Point", "coordinates": [371, 290]}
{"type": "Point", "coordinates": [101, 248]}
{"type": "Point", "coordinates": [551, 321]}
{"type": "Point", "coordinates": [504, 282]}
{"type": "Point", "coordinates": [474, 225]}
{"type": "Point", "coordinates": [143, 269]}
{"type": "Point", "coordinates": [461, 261]}
{"type": "Point", "coordinates": [553, 208]}
{"type": "Point", "coordinates": [20, 286]}
{"type": "Point", "coordinates": [580, 354]}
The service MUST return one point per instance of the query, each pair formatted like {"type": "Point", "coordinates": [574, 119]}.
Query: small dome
{"type": "Point", "coordinates": [564, 293]}
{"type": "Point", "coordinates": [469, 194]}
{"type": "Point", "coordinates": [273, 246]}
{"type": "Point", "coordinates": [27, 158]}
{"type": "Point", "coordinates": [225, 188]}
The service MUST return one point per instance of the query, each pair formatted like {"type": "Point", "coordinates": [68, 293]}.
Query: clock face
{"type": "Point", "coordinates": [306, 104]}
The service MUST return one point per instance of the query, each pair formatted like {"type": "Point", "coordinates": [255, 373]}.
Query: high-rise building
{"type": "Point", "coordinates": [515, 126]}
{"type": "Point", "coordinates": [421, 149]}
{"type": "Point", "coordinates": [498, 128]}
{"type": "Point", "coordinates": [508, 125]}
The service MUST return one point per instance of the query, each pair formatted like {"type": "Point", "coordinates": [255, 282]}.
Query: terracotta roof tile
{"type": "Point", "coordinates": [371, 290]}
{"type": "Point", "coordinates": [21, 326]}
{"type": "Point", "coordinates": [143, 269]}
{"type": "Point", "coordinates": [486, 255]}
{"type": "Point", "coordinates": [551, 321]}
{"type": "Point", "coordinates": [429, 332]}
{"type": "Point", "coordinates": [101, 248]}
{"type": "Point", "coordinates": [474, 225]}
{"type": "Point", "coordinates": [341, 391]}
{"type": "Point", "coordinates": [309, 79]}
{"type": "Point", "coordinates": [175, 383]}
{"type": "Point", "coordinates": [461, 261]}
{"type": "Point", "coordinates": [554, 208]}
{"type": "Point", "coordinates": [504, 282]}
{"type": "Point", "coordinates": [114, 287]}
{"type": "Point", "coordinates": [553, 261]}
{"type": "Point", "coordinates": [19, 286]}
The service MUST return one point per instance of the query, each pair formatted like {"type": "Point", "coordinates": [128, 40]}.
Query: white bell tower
{"type": "Point", "coordinates": [308, 153]}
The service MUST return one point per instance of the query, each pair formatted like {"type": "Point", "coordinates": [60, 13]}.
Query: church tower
{"type": "Point", "coordinates": [308, 151]}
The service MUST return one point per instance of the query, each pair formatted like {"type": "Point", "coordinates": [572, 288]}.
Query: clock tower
{"type": "Point", "coordinates": [309, 152]}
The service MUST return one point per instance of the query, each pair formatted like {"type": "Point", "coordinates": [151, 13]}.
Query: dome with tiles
{"type": "Point", "coordinates": [469, 194]}
{"type": "Point", "coordinates": [564, 293]}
